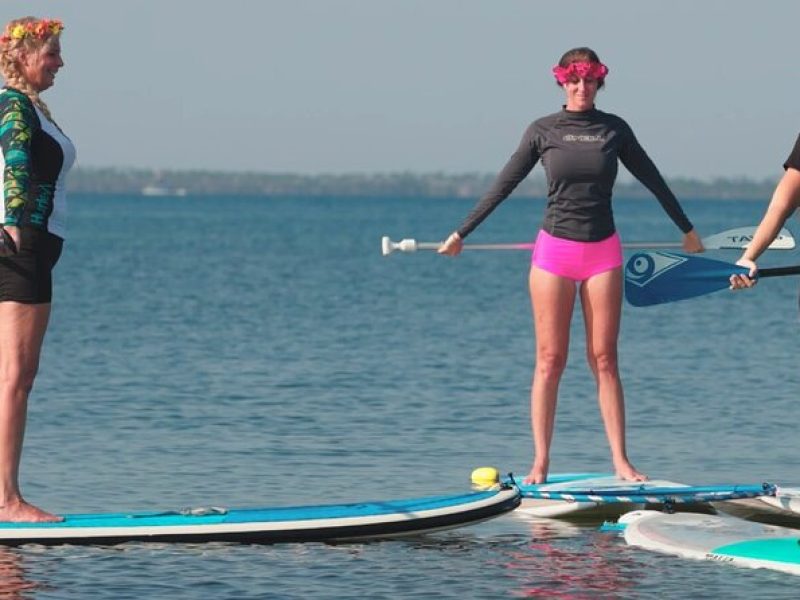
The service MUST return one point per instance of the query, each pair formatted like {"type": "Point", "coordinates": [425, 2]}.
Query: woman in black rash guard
{"type": "Point", "coordinates": [577, 251]}
{"type": "Point", "coordinates": [35, 158]}
{"type": "Point", "coordinates": [785, 200]}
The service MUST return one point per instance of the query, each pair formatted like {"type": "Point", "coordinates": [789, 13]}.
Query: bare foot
{"type": "Point", "coordinates": [538, 473]}
{"type": "Point", "coordinates": [626, 471]}
{"type": "Point", "coordinates": [20, 511]}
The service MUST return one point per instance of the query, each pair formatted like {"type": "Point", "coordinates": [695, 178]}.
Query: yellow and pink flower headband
{"type": "Point", "coordinates": [580, 69]}
{"type": "Point", "coordinates": [42, 29]}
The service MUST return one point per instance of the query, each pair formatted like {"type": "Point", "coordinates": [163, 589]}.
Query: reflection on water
{"type": "Point", "coordinates": [561, 561]}
{"type": "Point", "coordinates": [14, 582]}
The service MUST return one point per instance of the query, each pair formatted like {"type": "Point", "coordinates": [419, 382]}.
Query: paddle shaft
{"type": "Point", "coordinates": [731, 239]}
{"type": "Point", "coordinates": [437, 245]}
{"type": "Point", "coordinates": [664, 495]}
{"type": "Point", "coordinates": [779, 271]}
{"type": "Point", "coordinates": [643, 497]}
{"type": "Point", "coordinates": [530, 246]}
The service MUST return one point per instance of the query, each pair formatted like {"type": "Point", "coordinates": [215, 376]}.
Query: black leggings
{"type": "Point", "coordinates": [27, 276]}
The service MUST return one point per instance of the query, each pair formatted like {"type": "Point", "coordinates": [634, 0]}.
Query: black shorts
{"type": "Point", "coordinates": [27, 276]}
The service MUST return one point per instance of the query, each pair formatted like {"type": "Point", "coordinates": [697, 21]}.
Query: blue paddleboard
{"type": "Point", "coordinates": [322, 523]}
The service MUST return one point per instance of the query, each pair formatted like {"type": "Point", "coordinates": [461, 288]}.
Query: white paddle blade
{"type": "Point", "coordinates": [740, 238]}
{"type": "Point", "coordinates": [784, 241]}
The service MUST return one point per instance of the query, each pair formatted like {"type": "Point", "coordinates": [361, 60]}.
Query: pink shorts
{"type": "Point", "coordinates": [576, 260]}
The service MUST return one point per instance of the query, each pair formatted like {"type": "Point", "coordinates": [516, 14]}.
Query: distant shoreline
{"type": "Point", "coordinates": [389, 185]}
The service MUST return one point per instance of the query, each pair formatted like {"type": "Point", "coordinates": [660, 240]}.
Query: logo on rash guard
{"type": "Point", "coordinates": [571, 137]}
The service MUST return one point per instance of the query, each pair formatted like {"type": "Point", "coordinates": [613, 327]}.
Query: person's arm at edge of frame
{"type": "Point", "coordinates": [784, 202]}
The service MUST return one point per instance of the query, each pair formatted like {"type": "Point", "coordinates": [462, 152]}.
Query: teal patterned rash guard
{"type": "Point", "coordinates": [35, 159]}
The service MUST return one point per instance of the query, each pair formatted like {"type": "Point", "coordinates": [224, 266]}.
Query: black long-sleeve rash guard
{"type": "Point", "coordinates": [579, 153]}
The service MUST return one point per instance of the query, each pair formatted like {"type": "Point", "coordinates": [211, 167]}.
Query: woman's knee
{"type": "Point", "coordinates": [550, 364]}
{"type": "Point", "coordinates": [19, 377]}
{"type": "Point", "coordinates": [603, 361]}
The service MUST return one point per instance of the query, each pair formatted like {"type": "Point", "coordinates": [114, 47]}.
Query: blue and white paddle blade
{"type": "Point", "coordinates": [657, 277]}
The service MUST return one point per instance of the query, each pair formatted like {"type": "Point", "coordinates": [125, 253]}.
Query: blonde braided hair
{"type": "Point", "coordinates": [10, 49]}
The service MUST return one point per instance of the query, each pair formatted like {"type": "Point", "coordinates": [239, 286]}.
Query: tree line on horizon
{"type": "Point", "coordinates": [376, 185]}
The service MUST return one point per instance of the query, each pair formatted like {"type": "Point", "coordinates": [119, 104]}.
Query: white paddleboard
{"type": "Point", "coordinates": [785, 500]}
{"type": "Point", "coordinates": [566, 483]}
{"type": "Point", "coordinates": [718, 538]}
{"type": "Point", "coordinates": [783, 508]}
{"type": "Point", "coordinates": [593, 495]}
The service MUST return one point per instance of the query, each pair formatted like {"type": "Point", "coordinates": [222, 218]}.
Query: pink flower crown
{"type": "Point", "coordinates": [580, 69]}
{"type": "Point", "coordinates": [41, 29]}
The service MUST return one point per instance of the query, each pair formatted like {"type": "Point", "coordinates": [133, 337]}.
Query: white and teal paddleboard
{"type": "Point", "coordinates": [718, 538]}
{"type": "Point", "coordinates": [323, 523]}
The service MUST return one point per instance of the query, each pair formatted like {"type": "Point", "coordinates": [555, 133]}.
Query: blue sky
{"type": "Point", "coordinates": [341, 86]}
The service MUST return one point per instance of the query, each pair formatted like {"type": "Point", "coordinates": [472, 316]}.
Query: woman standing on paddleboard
{"type": "Point", "coordinates": [36, 156]}
{"type": "Point", "coordinates": [577, 251]}
{"type": "Point", "coordinates": [785, 200]}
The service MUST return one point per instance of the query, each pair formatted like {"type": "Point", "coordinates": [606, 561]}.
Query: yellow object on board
{"type": "Point", "coordinates": [485, 477]}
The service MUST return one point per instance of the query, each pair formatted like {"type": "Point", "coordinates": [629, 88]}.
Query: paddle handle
{"type": "Point", "coordinates": [779, 271]}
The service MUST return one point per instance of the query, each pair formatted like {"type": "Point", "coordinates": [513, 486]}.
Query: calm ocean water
{"type": "Point", "coordinates": [254, 351]}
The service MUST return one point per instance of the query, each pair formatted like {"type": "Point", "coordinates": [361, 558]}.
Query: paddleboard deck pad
{"type": "Point", "coordinates": [322, 523]}
{"type": "Point", "coordinates": [718, 538]}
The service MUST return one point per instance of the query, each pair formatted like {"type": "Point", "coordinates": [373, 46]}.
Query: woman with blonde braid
{"type": "Point", "coordinates": [35, 158]}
